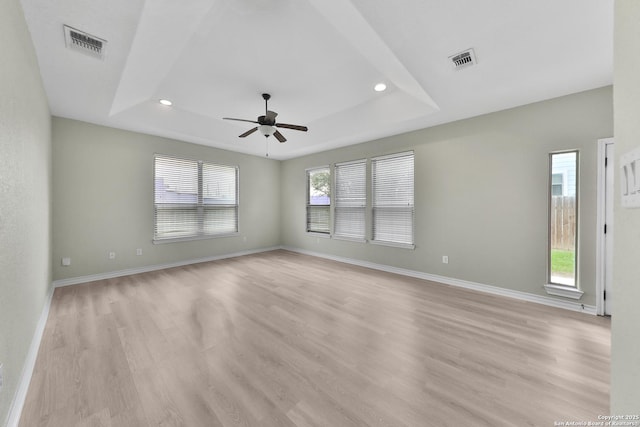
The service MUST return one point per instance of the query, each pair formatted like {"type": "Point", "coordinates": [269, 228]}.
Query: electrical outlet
{"type": "Point", "coordinates": [139, 251]}
{"type": "Point", "coordinates": [445, 259]}
{"type": "Point", "coordinates": [112, 255]}
{"type": "Point", "coordinates": [66, 261]}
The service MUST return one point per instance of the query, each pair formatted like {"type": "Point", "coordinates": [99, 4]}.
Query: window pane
{"type": "Point", "coordinates": [319, 186]}
{"type": "Point", "coordinates": [563, 218]}
{"type": "Point", "coordinates": [220, 220]}
{"type": "Point", "coordinates": [176, 221]}
{"type": "Point", "coordinates": [176, 180]}
{"type": "Point", "coordinates": [349, 222]}
{"type": "Point", "coordinates": [318, 219]}
{"type": "Point", "coordinates": [218, 184]}
{"type": "Point", "coordinates": [393, 224]}
{"type": "Point", "coordinates": [393, 181]}
{"type": "Point", "coordinates": [350, 199]}
{"type": "Point", "coordinates": [318, 199]}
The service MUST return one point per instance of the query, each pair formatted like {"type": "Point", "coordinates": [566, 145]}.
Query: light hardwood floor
{"type": "Point", "coordinates": [283, 339]}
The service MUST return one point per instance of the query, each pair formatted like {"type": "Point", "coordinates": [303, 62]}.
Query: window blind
{"type": "Point", "coordinates": [392, 201]}
{"type": "Point", "coordinates": [318, 200]}
{"type": "Point", "coordinates": [194, 199]}
{"type": "Point", "coordinates": [350, 199]}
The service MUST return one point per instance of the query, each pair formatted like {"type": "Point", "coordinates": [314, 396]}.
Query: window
{"type": "Point", "coordinates": [392, 198]}
{"type": "Point", "coordinates": [318, 199]}
{"type": "Point", "coordinates": [563, 218]}
{"type": "Point", "coordinates": [194, 199]}
{"type": "Point", "coordinates": [557, 181]}
{"type": "Point", "coordinates": [350, 199]}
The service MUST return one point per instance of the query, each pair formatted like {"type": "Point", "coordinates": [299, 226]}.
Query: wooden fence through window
{"type": "Point", "coordinates": [563, 222]}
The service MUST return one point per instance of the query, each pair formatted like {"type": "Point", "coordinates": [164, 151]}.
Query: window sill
{"type": "Point", "coordinates": [349, 239]}
{"type": "Point", "coordinates": [191, 238]}
{"type": "Point", "coordinates": [564, 291]}
{"type": "Point", "coordinates": [319, 234]}
{"type": "Point", "coordinates": [393, 244]}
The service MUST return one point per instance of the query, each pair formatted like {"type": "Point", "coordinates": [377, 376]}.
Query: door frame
{"type": "Point", "coordinates": [601, 215]}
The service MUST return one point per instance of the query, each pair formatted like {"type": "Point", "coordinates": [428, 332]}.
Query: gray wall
{"type": "Point", "coordinates": [103, 200]}
{"type": "Point", "coordinates": [625, 334]}
{"type": "Point", "coordinates": [25, 197]}
{"type": "Point", "coordinates": [481, 193]}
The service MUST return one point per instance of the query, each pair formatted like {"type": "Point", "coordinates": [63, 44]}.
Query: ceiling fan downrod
{"type": "Point", "coordinates": [266, 98]}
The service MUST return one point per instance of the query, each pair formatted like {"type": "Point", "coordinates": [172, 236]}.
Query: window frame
{"type": "Point", "coordinates": [554, 287]}
{"type": "Point", "coordinates": [309, 206]}
{"type": "Point", "coordinates": [336, 202]}
{"type": "Point", "coordinates": [201, 207]}
{"type": "Point", "coordinates": [374, 240]}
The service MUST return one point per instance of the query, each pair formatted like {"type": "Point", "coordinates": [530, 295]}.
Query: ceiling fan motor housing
{"type": "Point", "coordinates": [267, 121]}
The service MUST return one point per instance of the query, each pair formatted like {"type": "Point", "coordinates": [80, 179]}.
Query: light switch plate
{"type": "Point", "coordinates": [630, 179]}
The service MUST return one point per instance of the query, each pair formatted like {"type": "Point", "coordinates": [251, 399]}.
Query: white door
{"type": "Point", "coordinates": [608, 237]}
{"type": "Point", "coordinates": [604, 237]}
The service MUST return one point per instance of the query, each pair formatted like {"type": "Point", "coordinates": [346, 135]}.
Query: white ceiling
{"type": "Point", "coordinates": [319, 59]}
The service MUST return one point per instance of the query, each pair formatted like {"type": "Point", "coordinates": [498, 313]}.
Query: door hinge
{"type": "Point", "coordinates": [605, 295]}
{"type": "Point", "coordinates": [606, 161]}
{"type": "Point", "coordinates": [605, 229]}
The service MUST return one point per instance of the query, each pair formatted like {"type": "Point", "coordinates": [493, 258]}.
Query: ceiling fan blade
{"type": "Point", "coordinates": [239, 120]}
{"type": "Point", "coordinates": [249, 132]}
{"type": "Point", "coordinates": [294, 127]}
{"type": "Point", "coordinates": [279, 136]}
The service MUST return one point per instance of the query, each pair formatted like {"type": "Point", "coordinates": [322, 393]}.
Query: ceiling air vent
{"type": "Point", "coordinates": [85, 43]}
{"type": "Point", "coordinates": [463, 59]}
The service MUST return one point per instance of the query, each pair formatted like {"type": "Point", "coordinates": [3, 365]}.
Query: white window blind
{"type": "Point", "coordinates": [350, 199]}
{"type": "Point", "coordinates": [194, 199]}
{"type": "Point", "coordinates": [318, 199]}
{"type": "Point", "coordinates": [392, 203]}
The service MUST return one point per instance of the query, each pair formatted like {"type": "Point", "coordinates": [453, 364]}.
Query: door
{"type": "Point", "coordinates": [608, 237]}
{"type": "Point", "coordinates": [604, 250]}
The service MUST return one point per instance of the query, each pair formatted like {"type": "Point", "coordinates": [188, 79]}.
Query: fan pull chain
{"type": "Point", "coordinates": [266, 146]}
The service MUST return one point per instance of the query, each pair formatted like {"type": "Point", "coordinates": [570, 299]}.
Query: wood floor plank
{"type": "Point", "coordinates": [284, 339]}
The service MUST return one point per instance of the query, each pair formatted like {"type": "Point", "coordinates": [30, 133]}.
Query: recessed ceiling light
{"type": "Point", "coordinates": [380, 87]}
{"type": "Point", "coordinates": [166, 102]}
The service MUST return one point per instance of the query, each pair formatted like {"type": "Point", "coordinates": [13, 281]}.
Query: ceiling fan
{"type": "Point", "coordinates": [267, 124]}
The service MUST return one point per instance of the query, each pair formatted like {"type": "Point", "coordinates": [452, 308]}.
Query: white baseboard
{"type": "Point", "coordinates": [495, 290]}
{"type": "Point", "coordinates": [15, 410]}
{"type": "Point", "coordinates": [145, 269]}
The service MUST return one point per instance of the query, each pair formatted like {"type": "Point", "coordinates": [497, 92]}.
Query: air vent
{"type": "Point", "coordinates": [85, 43]}
{"type": "Point", "coordinates": [463, 59]}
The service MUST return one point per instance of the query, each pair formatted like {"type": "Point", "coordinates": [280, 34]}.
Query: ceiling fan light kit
{"type": "Point", "coordinates": [266, 130]}
{"type": "Point", "coordinates": [267, 124]}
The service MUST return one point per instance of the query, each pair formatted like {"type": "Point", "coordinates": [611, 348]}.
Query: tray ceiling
{"type": "Point", "coordinates": [318, 59]}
